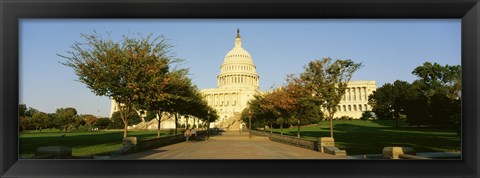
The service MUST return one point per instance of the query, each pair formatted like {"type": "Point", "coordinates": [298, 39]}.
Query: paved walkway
{"type": "Point", "coordinates": [230, 145]}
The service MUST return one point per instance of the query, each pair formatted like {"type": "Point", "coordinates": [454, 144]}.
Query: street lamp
{"type": "Point", "coordinates": [208, 125]}
{"type": "Point", "coordinates": [250, 123]}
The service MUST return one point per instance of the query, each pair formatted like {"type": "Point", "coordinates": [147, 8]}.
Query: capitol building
{"type": "Point", "coordinates": [238, 82]}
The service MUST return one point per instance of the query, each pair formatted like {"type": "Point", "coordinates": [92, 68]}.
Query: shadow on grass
{"type": "Point", "coordinates": [86, 143]}
{"type": "Point", "coordinates": [371, 140]}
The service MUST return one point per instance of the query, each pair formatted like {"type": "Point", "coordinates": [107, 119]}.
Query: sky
{"type": "Point", "coordinates": [388, 49]}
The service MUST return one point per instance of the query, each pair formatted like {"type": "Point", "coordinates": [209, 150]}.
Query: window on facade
{"type": "Point", "coordinates": [355, 107]}
{"type": "Point", "coordinates": [360, 107]}
{"type": "Point", "coordinates": [349, 108]}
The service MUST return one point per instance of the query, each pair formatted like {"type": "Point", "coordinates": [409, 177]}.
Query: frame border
{"type": "Point", "coordinates": [13, 10]}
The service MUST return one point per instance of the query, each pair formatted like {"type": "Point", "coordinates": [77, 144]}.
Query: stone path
{"type": "Point", "coordinates": [230, 145]}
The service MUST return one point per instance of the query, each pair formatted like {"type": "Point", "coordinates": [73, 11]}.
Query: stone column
{"type": "Point", "coordinates": [359, 94]}
{"type": "Point", "coordinates": [365, 92]}
{"type": "Point", "coordinates": [349, 95]}
{"type": "Point", "coordinates": [354, 94]}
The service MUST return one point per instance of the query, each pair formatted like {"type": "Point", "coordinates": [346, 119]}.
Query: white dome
{"type": "Point", "coordinates": [238, 69]}
{"type": "Point", "coordinates": [238, 55]}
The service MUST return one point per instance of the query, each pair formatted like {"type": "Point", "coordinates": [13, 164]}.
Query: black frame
{"type": "Point", "coordinates": [12, 11]}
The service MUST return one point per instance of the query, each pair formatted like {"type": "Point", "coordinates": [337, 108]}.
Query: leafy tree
{"type": "Point", "coordinates": [438, 78]}
{"type": "Point", "coordinates": [297, 103]}
{"type": "Point", "coordinates": [255, 112]}
{"type": "Point", "coordinates": [39, 120]}
{"type": "Point", "coordinates": [79, 121]}
{"type": "Point", "coordinates": [327, 80]}
{"type": "Point", "coordinates": [417, 107]}
{"type": "Point", "coordinates": [31, 111]}
{"type": "Point", "coordinates": [90, 119]}
{"type": "Point", "coordinates": [391, 100]}
{"type": "Point", "coordinates": [54, 121]}
{"type": "Point", "coordinates": [66, 117]}
{"type": "Point", "coordinates": [102, 123]}
{"type": "Point", "coordinates": [22, 117]}
{"type": "Point", "coordinates": [440, 86]}
{"type": "Point", "coordinates": [128, 71]}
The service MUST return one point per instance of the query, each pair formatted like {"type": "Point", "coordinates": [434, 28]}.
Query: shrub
{"type": "Point", "coordinates": [367, 115]}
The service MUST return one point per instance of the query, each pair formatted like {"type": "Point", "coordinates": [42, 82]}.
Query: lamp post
{"type": "Point", "coordinates": [250, 123]}
{"type": "Point", "coordinates": [208, 125]}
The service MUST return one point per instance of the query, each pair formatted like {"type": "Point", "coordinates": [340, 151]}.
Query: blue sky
{"type": "Point", "coordinates": [389, 50]}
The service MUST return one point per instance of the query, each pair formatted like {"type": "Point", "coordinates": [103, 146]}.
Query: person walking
{"type": "Point", "coordinates": [193, 134]}
{"type": "Point", "coordinates": [187, 134]}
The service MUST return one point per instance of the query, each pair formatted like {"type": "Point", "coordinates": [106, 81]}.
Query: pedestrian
{"type": "Point", "coordinates": [240, 129]}
{"type": "Point", "coordinates": [193, 134]}
{"type": "Point", "coordinates": [187, 134]}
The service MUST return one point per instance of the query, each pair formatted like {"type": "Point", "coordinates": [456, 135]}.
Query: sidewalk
{"type": "Point", "coordinates": [230, 145]}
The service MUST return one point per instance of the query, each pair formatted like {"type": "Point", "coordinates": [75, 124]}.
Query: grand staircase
{"type": "Point", "coordinates": [232, 123]}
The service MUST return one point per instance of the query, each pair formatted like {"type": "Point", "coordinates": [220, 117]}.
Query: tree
{"type": "Point", "coordinates": [102, 123]}
{"type": "Point", "coordinates": [327, 80]}
{"type": "Point", "coordinates": [417, 107]}
{"type": "Point", "coordinates": [127, 71]}
{"type": "Point", "coordinates": [90, 119]}
{"type": "Point", "coordinates": [66, 117]}
{"type": "Point", "coordinates": [391, 100]}
{"type": "Point", "coordinates": [39, 120]}
{"type": "Point", "coordinates": [440, 86]}
{"type": "Point", "coordinates": [31, 111]}
{"type": "Point", "coordinates": [297, 104]}
{"type": "Point", "coordinates": [22, 117]}
{"type": "Point", "coordinates": [254, 112]}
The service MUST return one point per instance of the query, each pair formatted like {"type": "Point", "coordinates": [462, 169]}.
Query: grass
{"type": "Point", "coordinates": [369, 137]}
{"type": "Point", "coordinates": [82, 143]}
{"type": "Point", "coordinates": [355, 136]}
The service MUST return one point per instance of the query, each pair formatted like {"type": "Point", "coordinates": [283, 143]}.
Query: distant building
{"type": "Point", "coordinates": [355, 100]}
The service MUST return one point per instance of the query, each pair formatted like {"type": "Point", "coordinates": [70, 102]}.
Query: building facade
{"type": "Point", "coordinates": [355, 100]}
{"type": "Point", "coordinates": [237, 83]}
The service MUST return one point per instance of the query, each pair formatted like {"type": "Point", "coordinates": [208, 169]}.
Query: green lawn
{"type": "Point", "coordinates": [82, 143]}
{"type": "Point", "coordinates": [369, 137]}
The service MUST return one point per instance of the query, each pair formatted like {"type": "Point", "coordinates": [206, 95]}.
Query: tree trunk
{"type": "Point", "coordinates": [176, 123]}
{"type": "Point", "coordinates": [159, 121]}
{"type": "Point", "coordinates": [281, 128]}
{"type": "Point", "coordinates": [298, 128]}
{"type": "Point", "coordinates": [124, 116]}
{"type": "Point", "coordinates": [186, 123]}
{"type": "Point", "coordinates": [208, 129]}
{"type": "Point", "coordinates": [271, 127]}
{"type": "Point", "coordinates": [125, 130]}
{"type": "Point", "coordinates": [331, 125]}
